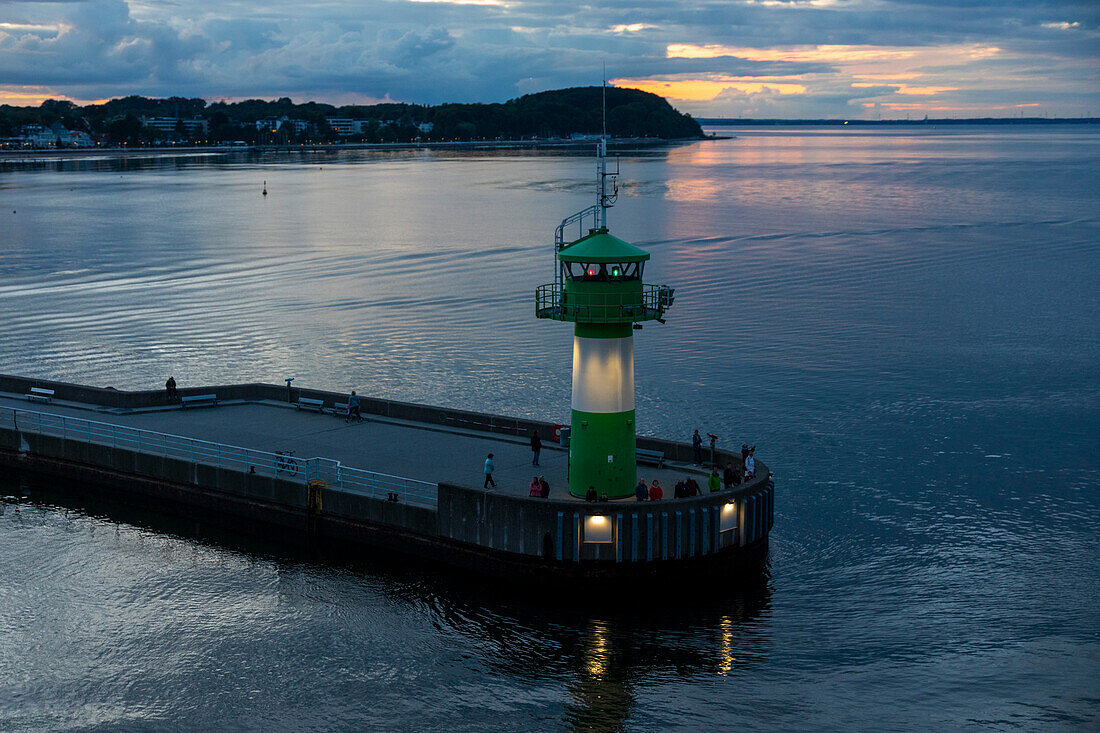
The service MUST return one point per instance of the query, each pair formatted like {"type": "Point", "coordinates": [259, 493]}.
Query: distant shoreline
{"type": "Point", "coordinates": [139, 152]}
{"type": "Point", "coordinates": [753, 122]}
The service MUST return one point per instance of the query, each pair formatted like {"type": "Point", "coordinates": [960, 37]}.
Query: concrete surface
{"type": "Point", "coordinates": [427, 452]}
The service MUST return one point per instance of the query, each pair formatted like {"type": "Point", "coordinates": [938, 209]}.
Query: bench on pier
{"type": "Point", "coordinates": [650, 457]}
{"type": "Point", "coordinates": [38, 394]}
{"type": "Point", "coordinates": [312, 404]}
{"type": "Point", "coordinates": [198, 400]}
{"type": "Point", "coordinates": [340, 409]}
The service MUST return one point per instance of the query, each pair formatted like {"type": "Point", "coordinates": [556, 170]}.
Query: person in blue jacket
{"type": "Point", "coordinates": [697, 447]}
{"type": "Point", "coordinates": [489, 466]}
{"type": "Point", "coordinates": [641, 491]}
{"type": "Point", "coordinates": [353, 408]}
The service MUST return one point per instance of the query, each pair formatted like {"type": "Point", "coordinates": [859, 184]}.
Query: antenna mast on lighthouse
{"type": "Point", "coordinates": [604, 201]}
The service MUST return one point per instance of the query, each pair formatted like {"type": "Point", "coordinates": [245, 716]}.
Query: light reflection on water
{"type": "Point", "coordinates": [904, 322]}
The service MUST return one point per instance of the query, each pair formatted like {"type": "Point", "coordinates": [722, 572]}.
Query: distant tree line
{"type": "Point", "coordinates": [554, 114]}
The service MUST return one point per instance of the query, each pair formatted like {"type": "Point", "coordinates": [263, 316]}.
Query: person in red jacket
{"type": "Point", "coordinates": [655, 493]}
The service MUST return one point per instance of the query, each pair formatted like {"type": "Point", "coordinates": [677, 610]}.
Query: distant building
{"type": "Point", "coordinates": [425, 126]}
{"type": "Point", "coordinates": [80, 139]}
{"type": "Point", "coordinates": [345, 126]}
{"type": "Point", "coordinates": [37, 136]}
{"type": "Point", "coordinates": [276, 125]}
{"type": "Point", "coordinates": [194, 127]}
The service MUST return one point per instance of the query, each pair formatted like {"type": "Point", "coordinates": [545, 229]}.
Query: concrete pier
{"type": "Point", "coordinates": [124, 441]}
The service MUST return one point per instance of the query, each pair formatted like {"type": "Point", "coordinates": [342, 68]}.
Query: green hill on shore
{"type": "Point", "coordinates": [561, 113]}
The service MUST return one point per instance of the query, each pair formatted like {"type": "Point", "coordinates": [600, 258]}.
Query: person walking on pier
{"type": "Point", "coordinates": [536, 447]}
{"type": "Point", "coordinates": [489, 466]}
{"type": "Point", "coordinates": [170, 389]}
{"type": "Point", "coordinates": [353, 408]}
{"type": "Point", "coordinates": [697, 447]}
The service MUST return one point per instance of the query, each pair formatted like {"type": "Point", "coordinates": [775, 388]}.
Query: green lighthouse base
{"type": "Point", "coordinates": [602, 454]}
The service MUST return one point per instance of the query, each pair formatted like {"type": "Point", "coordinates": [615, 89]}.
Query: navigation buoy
{"type": "Point", "coordinates": [265, 188]}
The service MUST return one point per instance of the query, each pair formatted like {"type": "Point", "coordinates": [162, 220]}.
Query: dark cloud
{"type": "Point", "coordinates": [433, 52]}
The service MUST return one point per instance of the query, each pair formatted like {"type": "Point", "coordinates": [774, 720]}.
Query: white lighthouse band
{"type": "Point", "coordinates": [603, 374]}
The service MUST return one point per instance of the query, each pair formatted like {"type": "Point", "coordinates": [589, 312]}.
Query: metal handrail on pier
{"type": "Point", "coordinates": [220, 455]}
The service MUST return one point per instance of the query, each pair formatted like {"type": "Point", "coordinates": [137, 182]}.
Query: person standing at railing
{"type": "Point", "coordinates": [536, 447]}
{"type": "Point", "coordinates": [697, 448]}
{"type": "Point", "coordinates": [170, 389]}
{"type": "Point", "coordinates": [489, 466]}
{"type": "Point", "coordinates": [692, 487]}
{"type": "Point", "coordinates": [730, 477]}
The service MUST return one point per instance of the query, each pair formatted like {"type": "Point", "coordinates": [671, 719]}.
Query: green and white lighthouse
{"type": "Point", "coordinates": [599, 288]}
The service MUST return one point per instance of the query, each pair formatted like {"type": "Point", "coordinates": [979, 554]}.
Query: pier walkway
{"type": "Point", "coordinates": [421, 451]}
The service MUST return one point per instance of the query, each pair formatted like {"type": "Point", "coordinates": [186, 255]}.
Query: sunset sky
{"type": "Point", "coordinates": [758, 58]}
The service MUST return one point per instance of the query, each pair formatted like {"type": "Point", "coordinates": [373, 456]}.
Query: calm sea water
{"type": "Point", "coordinates": [904, 322]}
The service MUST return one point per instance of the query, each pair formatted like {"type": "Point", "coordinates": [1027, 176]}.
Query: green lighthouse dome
{"type": "Point", "coordinates": [602, 247]}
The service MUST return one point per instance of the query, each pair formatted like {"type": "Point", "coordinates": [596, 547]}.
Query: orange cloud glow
{"type": "Point", "coordinates": [861, 66]}
{"type": "Point", "coordinates": [706, 89]}
{"type": "Point", "coordinates": [32, 96]}
{"type": "Point", "coordinates": [802, 54]}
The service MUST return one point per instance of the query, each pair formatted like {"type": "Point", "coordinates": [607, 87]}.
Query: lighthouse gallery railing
{"type": "Point", "coordinates": [551, 302]}
{"type": "Point", "coordinates": [302, 470]}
